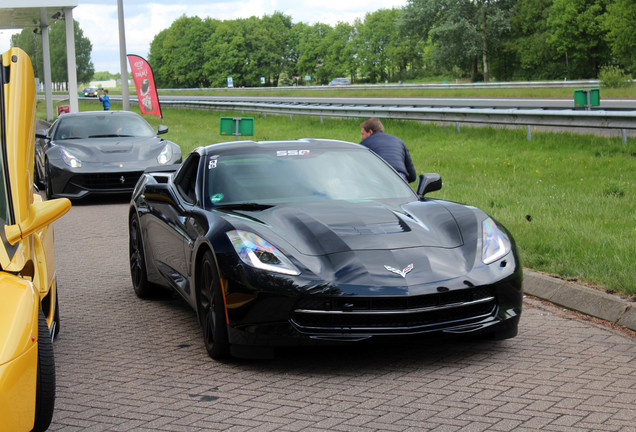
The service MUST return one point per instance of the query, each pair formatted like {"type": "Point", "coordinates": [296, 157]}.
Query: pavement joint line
{"type": "Point", "coordinates": [580, 298]}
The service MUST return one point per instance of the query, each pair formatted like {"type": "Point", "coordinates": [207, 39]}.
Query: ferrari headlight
{"type": "Point", "coordinates": [496, 243]}
{"type": "Point", "coordinates": [257, 252]}
{"type": "Point", "coordinates": [165, 155]}
{"type": "Point", "coordinates": [69, 159]}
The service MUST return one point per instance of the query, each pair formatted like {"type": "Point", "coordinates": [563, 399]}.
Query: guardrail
{"type": "Point", "coordinates": [445, 85]}
{"type": "Point", "coordinates": [569, 118]}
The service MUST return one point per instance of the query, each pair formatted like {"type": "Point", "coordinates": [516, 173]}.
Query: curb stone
{"type": "Point", "coordinates": [580, 298]}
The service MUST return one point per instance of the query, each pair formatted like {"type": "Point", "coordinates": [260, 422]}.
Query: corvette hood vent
{"type": "Point", "coordinates": [341, 227]}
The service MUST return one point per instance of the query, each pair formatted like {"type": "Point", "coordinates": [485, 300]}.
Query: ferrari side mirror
{"type": "Point", "coordinates": [428, 182]}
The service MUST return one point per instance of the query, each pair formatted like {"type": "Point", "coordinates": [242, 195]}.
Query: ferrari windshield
{"type": "Point", "coordinates": [100, 125]}
{"type": "Point", "coordinates": [281, 176]}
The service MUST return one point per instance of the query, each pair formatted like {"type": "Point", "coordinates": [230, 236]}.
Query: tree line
{"type": "Point", "coordinates": [464, 39]}
{"type": "Point", "coordinates": [457, 39]}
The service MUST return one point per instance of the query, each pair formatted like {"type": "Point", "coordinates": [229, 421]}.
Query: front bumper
{"type": "Point", "coordinates": [267, 319]}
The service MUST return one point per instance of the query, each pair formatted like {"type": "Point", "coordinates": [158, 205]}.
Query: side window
{"type": "Point", "coordinates": [187, 177]}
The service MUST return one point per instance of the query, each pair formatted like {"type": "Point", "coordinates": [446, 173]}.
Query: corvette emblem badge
{"type": "Point", "coordinates": [122, 180]}
{"type": "Point", "coordinates": [402, 273]}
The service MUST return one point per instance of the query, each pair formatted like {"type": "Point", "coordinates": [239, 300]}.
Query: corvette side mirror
{"type": "Point", "coordinates": [428, 182]}
{"type": "Point", "coordinates": [158, 192]}
{"type": "Point", "coordinates": [162, 129]}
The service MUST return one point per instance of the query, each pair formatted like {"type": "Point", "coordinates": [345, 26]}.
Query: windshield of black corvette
{"type": "Point", "coordinates": [288, 176]}
{"type": "Point", "coordinates": [102, 126]}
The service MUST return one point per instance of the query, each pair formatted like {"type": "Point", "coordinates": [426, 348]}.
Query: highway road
{"type": "Point", "coordinates": [124, 364]}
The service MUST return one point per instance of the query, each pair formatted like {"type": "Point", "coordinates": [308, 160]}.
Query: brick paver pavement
{"type": "Point", "coordinates": [124, 364]}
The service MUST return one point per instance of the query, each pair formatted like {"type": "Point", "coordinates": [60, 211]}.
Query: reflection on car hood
{"type": "Point", "coordinates": [340, 227]}
{"type": "Point", "coordinates": [113, 149]}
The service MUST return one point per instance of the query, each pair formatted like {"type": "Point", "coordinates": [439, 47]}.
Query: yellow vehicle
{"type": "Point", "coordinates": [29, 318]}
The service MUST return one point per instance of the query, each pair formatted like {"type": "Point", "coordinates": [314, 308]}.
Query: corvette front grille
{"type": "Point", "coordinates": [388, 315]}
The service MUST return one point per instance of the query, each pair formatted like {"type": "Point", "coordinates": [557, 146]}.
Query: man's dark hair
{"type": "Point", "coordinates": [372, 124]}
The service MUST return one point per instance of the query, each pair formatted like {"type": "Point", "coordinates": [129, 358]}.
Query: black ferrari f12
{"type": "Point", "coordinates": [313, 241]}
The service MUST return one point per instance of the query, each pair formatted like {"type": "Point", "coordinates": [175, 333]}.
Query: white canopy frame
{"type": "Point", "coordinates": [39, 14]}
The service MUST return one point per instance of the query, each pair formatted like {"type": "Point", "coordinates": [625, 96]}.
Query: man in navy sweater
{"type": "Point", "coordinates": [390, 148]}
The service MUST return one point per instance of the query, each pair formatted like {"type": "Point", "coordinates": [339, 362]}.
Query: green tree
{"type": "Point", "coordinates": [373, 41]}
{"type": "Point", "coordinates": [536, 58]}
{"type": "Point", "coordinates": [578, 34]}
{"type": "Point", "coordinates": [314, 49]}
{"type": "Point", "coordinates": [340, 55]}
{"type": "Point", "coordinates": [225, 54]}
{"type": "Point", "coordinates": [461, 30]}
{"type": "Point", "coordinates": [31, 43]}
{"type": "Point", "coordinates": [155, 58]}
{"type": "Point", "coordinates": [176, 54]}
{"type": "Point", "coordinates": [619, 22]}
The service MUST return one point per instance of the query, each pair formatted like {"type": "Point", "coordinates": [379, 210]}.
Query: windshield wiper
{"type": "Point", "coordinates": [243, 206]}
{"type": "Point", "coordinates": [104, 136]}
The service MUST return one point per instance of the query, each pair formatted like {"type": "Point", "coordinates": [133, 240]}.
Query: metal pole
{"type": "Point", "coordinates": [125, 99]}
{"type": "Point", "coordinates": [46, 55]}
{"type": "Point", "coordinates": [70, 60]}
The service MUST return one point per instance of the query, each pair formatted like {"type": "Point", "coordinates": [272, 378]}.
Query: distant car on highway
{"type": "Point", "coordinates": [29, 313]}
{"type": "Point", "coordinates": [99, 152]}
{"type": "Point", "coordinates": [90, 92]}
{"type": "Point", "coordinates": [340, 82]}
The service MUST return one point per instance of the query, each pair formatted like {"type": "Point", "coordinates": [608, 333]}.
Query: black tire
{"type": "Point", "coordinates": [48, 184]}
{"type": "Point", "coordinates": [45, 387]}
{"type": "Point", "coordinates": [138, 273]}
{"type": "Point", "coordinates": [211, 309]}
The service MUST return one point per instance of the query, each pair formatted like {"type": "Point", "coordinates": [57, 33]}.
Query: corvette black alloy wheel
{"type": "Point", "coordinates": [211, 309]}
{"type": "Point", "coordinates": [137, 262]}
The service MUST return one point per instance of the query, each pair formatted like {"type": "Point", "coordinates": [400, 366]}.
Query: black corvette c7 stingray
{"type": "Point", "coordinates": [313, 241]}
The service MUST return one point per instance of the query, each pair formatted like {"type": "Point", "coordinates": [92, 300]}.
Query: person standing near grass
{"type": "Point", "coordinates": [390, 148]}
{"type": "Point", "coordinates": [105, 100]}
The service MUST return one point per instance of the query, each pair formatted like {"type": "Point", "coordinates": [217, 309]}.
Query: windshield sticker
{"type": "Point", "coordinates": [213, 161]}
{"type": "Point", "coordinates": [292, 153]}
{"type": "Point", "coordinates": [216, 198]}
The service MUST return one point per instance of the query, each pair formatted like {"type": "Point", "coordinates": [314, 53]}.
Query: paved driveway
{"type": "Point", "coordinates": [124, 364]}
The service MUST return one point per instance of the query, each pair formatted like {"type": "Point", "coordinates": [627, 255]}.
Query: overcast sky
{"type": "Point", "coordinates": [144, 19]}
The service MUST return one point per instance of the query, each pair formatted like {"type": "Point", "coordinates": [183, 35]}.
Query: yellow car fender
{"type": "Point", "coordinates": [19, 303]}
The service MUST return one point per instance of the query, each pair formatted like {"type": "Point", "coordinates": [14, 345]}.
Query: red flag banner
{"type": "Point", "coordinates": [145, 84]}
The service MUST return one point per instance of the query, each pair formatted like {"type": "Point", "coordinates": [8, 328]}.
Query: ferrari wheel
{"type": "Point", "coordinates": [48, 184]}
{"type": "Point", "coordinates": [37, 181]}
{"type": "Point", "coordinates": [138, 273]}
{"type": "Point", "coordinates": [45, 385]}
{"type": "Point", "coordinates": [211, 309]}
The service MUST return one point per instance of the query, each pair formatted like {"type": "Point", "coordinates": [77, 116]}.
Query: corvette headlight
{"type": "Point", "coordinates": [165, 155]}
{"type": "Point", "coordinates": [257, 252]}
{"type": "Point", "coordinates": [496, 243]}
{"type": "Point", "coordinates": [69, 159]}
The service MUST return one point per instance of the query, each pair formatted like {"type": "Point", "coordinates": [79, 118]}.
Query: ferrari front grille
{"type": "Point", "coordinates": [387, 315]}
{"type": "Point", "coordinates": [106, 181]}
